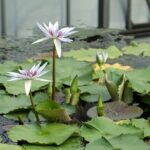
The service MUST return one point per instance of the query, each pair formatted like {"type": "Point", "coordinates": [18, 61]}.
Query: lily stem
{"type": "Point", "coordinates": [33, 108]}
{"type": "Point", "coordinates": [54, 74]}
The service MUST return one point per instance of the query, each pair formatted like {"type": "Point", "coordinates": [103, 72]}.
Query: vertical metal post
{"type": "Point", "coordinates": [128, 17]}
{"type": "Point", "coordinates": [67, 12]}
{"type": "Point", "coordinates": [3, 32]}
{"type": "Point", "coordinates": [103, 13]}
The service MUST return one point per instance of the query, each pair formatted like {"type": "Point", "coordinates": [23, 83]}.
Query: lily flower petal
{"type": "Point", "coordinates": [45, 31]}
{"type": "Point", "coordinates": [66, 39]}
{"type": "Point", "coordinates": [28, 86]}
{"type": "Point", "coordinates": [40, 79]}
{"type": "Point", "coordinates": [39, 70]}
{"type": "Point", "coordinates": [58, 47]}
{"type": "Point", "coordinates": [40, 40]}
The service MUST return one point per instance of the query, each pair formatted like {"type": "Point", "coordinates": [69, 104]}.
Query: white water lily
{"type": "Point", "coordinates": [101, 57]}
{"type": "Point", "coordinates": [53, 32]}
{"type": "Point", "coordinates": [28, 75]}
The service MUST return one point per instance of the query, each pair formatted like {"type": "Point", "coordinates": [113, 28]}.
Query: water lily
{"type": "Point", "coordinates": [101, 57]}
{"type": "Point", "coordinates": [28, 75]}
{"type": "Point", "coordinates": [57, 35]}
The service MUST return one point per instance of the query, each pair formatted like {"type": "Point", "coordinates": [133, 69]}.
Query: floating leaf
{"type": "Point", "coordinates": [11, 103]}
{"type": "Point", "coordinates": [7, 67]}
{"type": "Point", "coordinates": [122, 142]}
{"type": "Point", "coordinates": [55, 133]}
{"type": "Point", "coordinates": [90, 54]}
{"type": "Point", "coordinates": [94, 91]}
{"type": "Point", "coordinates": [10, 147]}
{"type": "Point", "coordinates": [22, 115]}
{"type": "Point", "coordinates": [139, 49]}
{"type": "Point", "coordinates": [139, 80]}
{"type": "Point", "coordinates": [68, 68]}
{"type": "Point", "coordinates": [113, 52]}
{"type": "Point", "coordinates": [70, 144]}
{"type": "Point", "coordinates": [101, 126]}
{"type": "Point", "coordinates": [117, 111]}
{"type": "Point", "coordinates": [52, 111]}
{"type": "Point", "coordinates": [100, 144]}
{"type": "Point", "coordinates": [143, 125]}
{"type": "Point", "coordinates": [17, 87]}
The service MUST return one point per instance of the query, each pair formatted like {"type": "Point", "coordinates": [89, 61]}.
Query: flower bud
{"type": "Point", "coordinates": [101, 57]}
{"type": "Point", "coordinates": [74, 85]}
{"type": "Point", "coordinates": [100, 106]}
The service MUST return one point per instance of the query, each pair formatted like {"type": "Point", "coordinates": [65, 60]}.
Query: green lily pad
{"type": "Point", "coordinates": [90, 54]}
{"type": "Point", "coordinates": [70, 144]}
{"type": "Point", "coordinates": [23, 115]}
{"type": "Point", "coordinates": [122, 142]}
{"type": "Point", "coordinates": [52, 111]}
{"type": "Point", "coordinates": [100, 144]}
{"type": "Point", "coordinates": [107, 128]}
{"type": "Point", "coordinates": [17, 87]}
{"type": "Point", "coordinates": [117, 111]}
{"type": "Point", "coordinates": [93, 91]}
{"type": "Point", "coordinates": [139, 49]}
{"type": "Point", "coordinates": [129, 142]}
{"type": "Point", "coordinates": [113, 52]}
{"type": "Point", "coordinates": [68, 68]}
{"type": "Point", "coordinates": [10, 147]}
{"type": "Point", "coordinates": [11, 103]}
{"type": "Point", "coordinates": [143, 125]}
{"type": "Point", "coordinates": [139, 80]}
{"type": "Point", "coordinates": [55, 133]}
{"type": "Point", "coordinates": [7, 67]}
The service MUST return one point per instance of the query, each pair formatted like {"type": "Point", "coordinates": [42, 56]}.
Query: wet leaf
{"type": "Point", "coordinates": [7, 67]}
{"type": "Point", "coordinates": [139, 49]}
{"type": "Point", "coordinates": [101, 126]}
{"type": "Point", "coordinates": [93, 92]}
{"type": "Point", "coordinates": [17, 87]}
{"type": "Point", "coordinates": [55, 133]}
{"type": "Point", "coordinates": [10, 147]}
{"type": "Point", "coordinates": [122, 142]}
{"type": "Point", "coordinates": [70, 144]}
{"type": "Point", "coordinates": [11, 103]}
{"type": "Point", "coordinates": [52, 111]}
{"type": "Point", "coordinates": [143, 125]}
{"type": "Point", "coordinates": [90, 54]}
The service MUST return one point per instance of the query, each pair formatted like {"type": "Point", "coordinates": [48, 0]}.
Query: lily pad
{"type": "Point", "coordinates": [139, 49]}
{"type": "Point", "coordinates": [70, 144]}
{"type": "Point", "coordinates": [93, 91]}
{"type": "Point", "coordinates": [55, 133]}
{"type": "Point", "coordinates": [101, 126]}
{"type": "Point", "coordinates": [7, 67]}
{"type": "Point", "coordinates": [90, 54]}
{"type": "Point", "coordinates": [17, 87]}
{"type": "Point", "coordinates": [11, 103]}
{"type": "Point", "coordinates": [139, 80]}
{"type": "Point", "coordinates": [122, 142]}
{"type": "Point", "coordinates": [10, 147]}
{"type": "Point", "coordinates": [68, 68]}
{"type": "Point", "coordinates": [117, 111]}
{"type": "Point", "coordinates": [143, 125]}
{"type": "Point", "coordinates": [52, 111]}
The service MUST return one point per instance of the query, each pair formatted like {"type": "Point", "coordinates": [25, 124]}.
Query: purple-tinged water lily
{"type": "Point", "coordinates": [28, 75]}
{"type": "Point", "coordinates": [53, 32]}
{"type": "Point", "coordinates": [101, 57]}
